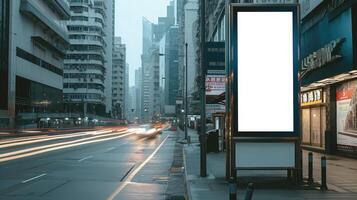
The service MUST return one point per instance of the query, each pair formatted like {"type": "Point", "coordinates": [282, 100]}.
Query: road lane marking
{"type": "Point", "coordinates": [60, 147]}
{"type": "Point", "coordinates": [126, 174]}
{"type": "Point", "coordinates": [33, 178]}
{"type": "Point", "coordinates": [111, 148]}
{"type": "Point", "coordinates": [85, 158]}
{"type": "Point", "coordinates": [132, 175]}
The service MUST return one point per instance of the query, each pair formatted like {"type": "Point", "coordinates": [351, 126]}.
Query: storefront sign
{"type": "Point", "coordinates": [214, 108]}
{"type": "Point", "coordinates": [322, 57]}
{"type": "Point", "coordinates": [215, 60]}
{"type": "Point", "coordinates": [215, 84]}
{"type": "Point", "coordinates": [311, 98]}
{"type": "Point", "coordinates": [346, 105]}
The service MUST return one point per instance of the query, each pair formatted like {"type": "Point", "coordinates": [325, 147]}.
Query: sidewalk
{"type": "Point", "coordinates": [341, 179]}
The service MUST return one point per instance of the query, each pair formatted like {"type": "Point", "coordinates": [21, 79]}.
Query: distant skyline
{"type": "Point", "coordinates": [128, 26]}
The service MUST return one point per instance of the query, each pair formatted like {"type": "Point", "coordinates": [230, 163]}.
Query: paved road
{"type": "Point", "coordinates": [95, 165]}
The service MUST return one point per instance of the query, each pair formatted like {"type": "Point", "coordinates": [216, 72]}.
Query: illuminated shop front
{"type": "Point", "coordinates": [313, 117]}
{"type": "Point", "coordinates": [329, 78]}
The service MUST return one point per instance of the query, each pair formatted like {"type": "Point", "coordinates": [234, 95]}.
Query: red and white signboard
{"type": "Point", "coordinates": [215, 85]}
{"type": "Point", "coordinates": [346, 98]}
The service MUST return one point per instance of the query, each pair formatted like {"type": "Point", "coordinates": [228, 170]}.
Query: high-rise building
{"type": "Point", "coordinates": [33, 42]}
{"type": "Point", "coordinates": [88, 64]}
{"type": "Point", "coordinates": [138, 88]}
{"type": "Point", "coordinates": [172, 83]}
{"type": "Point", "coordinates": [190, 29]}
{"type": "Point", "coordinates": [152, 76]}
{"type": "Point", "coordinates": [146, 70]}
{"type": "Point", "coordinates": [131, 104]}
{"type": "Point", "coordinates": [127, 103]}
{"type": "Point", "coordinates": [118, 79]}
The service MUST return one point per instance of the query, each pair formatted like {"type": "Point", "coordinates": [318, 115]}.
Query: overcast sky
{"type": "Point", "coordinates": [128, 25]}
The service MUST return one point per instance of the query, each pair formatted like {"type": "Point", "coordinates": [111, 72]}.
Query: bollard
{"type": "Point", "coordinates": [323, 173]}
{"type": "Point", "coordinates": [289, 174]}
{"type": "Point", "coordinates": [249, 193]}
{"type": "Point", "coordinates": [232, 189]}
{"type": "Point", "coordinates": [310, 180]}
{"type": "Point", "coordinates": [188, 139]}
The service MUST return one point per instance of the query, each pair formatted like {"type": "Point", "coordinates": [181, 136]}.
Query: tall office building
{"type": "Point", "coordinates": [190, 26]}
{"type": "Point", "coordinates": [33, 42]}
{"type": "Point", "coordinates": [138, 88]}
{"type": "Point", "coordinates": [88, 64]}
{"type": "Point", "coordinates": [151, 106]}
{"type": "Point", "coordinates": [127, 103]}
{"type": "Point", "coordinates": [118, 79]}
{"type": "Point", "coordinates": [146, 70]}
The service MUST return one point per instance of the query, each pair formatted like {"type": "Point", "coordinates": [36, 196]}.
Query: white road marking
{"type": "Point", "coordinates": [85, 158]}
{"type": "Point", "coordinates": [111, 148]}
{"type": "Point", "coordinates": [33, 178]}
{"type": "Point", "coordinates": [131, 175]}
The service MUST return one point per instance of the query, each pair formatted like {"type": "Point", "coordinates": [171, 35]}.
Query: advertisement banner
{"type": "Point", "coordinates": [346, 104]}
{"type": "Point", "coordinates": [215, 85]}
{"type": "Point", "coordinates": [214, 108]}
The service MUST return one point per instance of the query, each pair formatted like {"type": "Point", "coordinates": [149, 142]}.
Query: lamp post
{"type": "Point", "coordinates": [203, 156]}
{"type": "Point", "coordinates": [186, 80]}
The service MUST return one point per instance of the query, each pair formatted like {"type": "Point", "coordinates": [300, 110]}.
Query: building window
{"type": "Point", "coordinates": [38, 61]}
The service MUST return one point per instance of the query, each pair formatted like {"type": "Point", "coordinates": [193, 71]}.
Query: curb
{"type": "Point", "coordinates": [188, 190]}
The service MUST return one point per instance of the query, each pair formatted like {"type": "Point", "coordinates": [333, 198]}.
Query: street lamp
{"type": "Point", "coordinates": [186, 87]}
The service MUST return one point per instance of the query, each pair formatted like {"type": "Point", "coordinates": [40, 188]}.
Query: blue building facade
{"type": "Point", "coordinates": [329, 77]}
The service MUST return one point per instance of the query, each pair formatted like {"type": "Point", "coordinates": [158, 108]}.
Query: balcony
{"type": "Point", "coordinates": [60, 50]}
{"type": "Point", "coordinates": [73, 61]}
{"type": "Point", "coordinates": [30, 9]}
{"type": "Point", "coordinates": [84, 80]}
{"type": "Point", "coordinates": [87, 42]}
{"type": "Point", "coordinates": [62, 8]}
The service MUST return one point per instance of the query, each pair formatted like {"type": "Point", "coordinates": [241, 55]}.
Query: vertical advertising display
{"type": "Point", "coordinates": [266, 87]}
{"type": "Point", "coordinates": [265, 70]}
{"type": "Point", "coordinates": [346, 105]}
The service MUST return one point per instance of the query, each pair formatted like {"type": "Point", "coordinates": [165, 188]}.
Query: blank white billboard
{"type": "Point", "coordinates": [265, 72]}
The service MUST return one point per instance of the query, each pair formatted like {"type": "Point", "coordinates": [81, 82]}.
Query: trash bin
{"type": "Point", "coordinates": [212, 141]}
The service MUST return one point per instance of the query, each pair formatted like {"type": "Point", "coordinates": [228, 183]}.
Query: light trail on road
{"type": "Point", "coordinates": [47, 148]}
{"type": "Point", "coordinates": [56, 144]}
{"type": "Point", "coordinates": [35, 139]}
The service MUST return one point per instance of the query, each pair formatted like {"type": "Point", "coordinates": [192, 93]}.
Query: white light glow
{"type": "Point", "coordinates": [265, 72]}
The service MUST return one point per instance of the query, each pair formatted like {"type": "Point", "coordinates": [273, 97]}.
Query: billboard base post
{"type": "Point", "coordinates": [289, 174]}
{"type": "Point", "coordinates": [249, 193]}
{"type": "Point", "coordinates": [232, 189]}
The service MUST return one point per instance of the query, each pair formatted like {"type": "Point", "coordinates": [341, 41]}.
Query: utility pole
{"type": "Point", "coordinates": [186, 100]}
{"type": "Point", "coordinates": [202, 82]}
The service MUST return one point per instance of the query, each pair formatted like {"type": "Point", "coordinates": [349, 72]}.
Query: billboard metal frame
{"type": "Point", "coordinates": [234, 136]}
{"type": "Point", "coordinates": [235, 8]}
